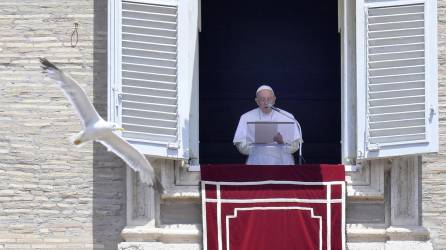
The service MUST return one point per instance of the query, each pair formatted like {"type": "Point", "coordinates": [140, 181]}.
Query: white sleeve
{"type": "Point", "coordinates": [240, 132]}
{"type": "Point", "coordinates": [292, 147]}
{"type": "Point", "coordinates": [243, 147]}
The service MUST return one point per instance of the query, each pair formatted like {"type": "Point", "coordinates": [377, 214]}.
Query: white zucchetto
{"type": "Point", "coordinates": [264, 87]}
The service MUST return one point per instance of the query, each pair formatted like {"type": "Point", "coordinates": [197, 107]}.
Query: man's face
{"type": "Point", "coordinates": [263, 98]}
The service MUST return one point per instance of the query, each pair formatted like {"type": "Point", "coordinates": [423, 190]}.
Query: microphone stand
{"type": "Point", "coordinates": [298, 126]}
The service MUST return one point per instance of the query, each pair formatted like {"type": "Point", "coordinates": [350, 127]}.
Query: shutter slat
{"type": "Point", "coordinates": [149, 129]}
{"type": "Point", "coordinates": [397, 108]}
{"type": "Point", "coordinates": [385, 102]}
{"type": "Point", "coordinates": [396, 10]}
{"type": "Point", "coordinates": [149, 38]}
{"type": "Point", "coordinates": [398, 138]}
{"type": "Point", "coordinates": [149, 15]}
{"type": "Point", "coordinates": [149, 68]}
{"type": "Point", "coordinates": [398, 52]}
{"type": "Point", "coordinates": [149, 106]}
{"type": "Point", "coordinates": [396, 93]}
{"type": "Point", "coordinates": [397, 55]}
{"type": "Point", "coordinates": [149, 53]}
{"type": "Point", "coordinates": [413, 69]}
{"type": "Point", "coordinates": [396, 116]}
{"type": "Point", "coordinates": [397, 123]}
{"type": "Point", "coordinates": [150, 61]}
{"type": "Point", "coordinates": [396, 63]}
{"type": "Point", "coordinates": [395, 40]}
{"type": "Point", "coordinates": [149, 46]}
{"type": "Point", "coordinates": [396, 48]}
{"type": "Point", "coordinates": [149, 84]}
{"type": "Point", "coordinates": [397, 78]}
{"type": "Point", "coordinates": [137, 22]}
{"type": "Point", "coordinates": [150, 31]}
{"type": "Point", "coordinates": [149, 91]}
{"type": "Point", "coordinates": [396, 33]}
{"type": "Point", "coordinates": [149, 76]}
{"type": "Point", "coordinates": [149, 99]}
{"type": "Point", "coordinates": [395, 18]}
{"type": "Point", "coordinates": [148, 114]}
{"type": "Point", "coordinates": [397, 131]}
{"type": "Point", "coordinates": [171, 122]}
{"type": "Point", "coordinates": [396, 86]}
{"type": "Point", "coordinates": [398, 25]}
{"type": "Point", "coordinates": [151, 122]}
{"type": "Point", "coordinates": [145, 136]}
{"type": "Point", "coordinates": [149, 8]}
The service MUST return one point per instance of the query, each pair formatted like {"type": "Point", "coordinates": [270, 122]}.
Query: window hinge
{"type": "Point", "coordinates": [431, 113]}
{"type": "Point", "coordinates": [118, 103]}
{"type": "Point", "coordinates": [118, 94]}
{"type": "Point", "coordinates": [373, 147]}
{"type": "Point", "coordinates": [172, 145]}
{"type": "Point", "coordinates": [192, 165]}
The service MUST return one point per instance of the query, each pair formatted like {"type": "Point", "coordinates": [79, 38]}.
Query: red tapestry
{"type": "Point", "coordinates": [273, 207]}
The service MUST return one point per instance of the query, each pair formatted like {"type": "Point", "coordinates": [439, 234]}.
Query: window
{"type": "Point", "coordinates": [153, 74]}
{"type": "Point", "coordinates": [396, 78]}
{"type": "Point", "coordinates": [389, 77]}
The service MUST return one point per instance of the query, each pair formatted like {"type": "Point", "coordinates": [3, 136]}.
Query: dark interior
{"type": "Point", "coordinates": [294, 47]}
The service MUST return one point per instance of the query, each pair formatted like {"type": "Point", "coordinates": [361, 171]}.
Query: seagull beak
{"type": "Point", "coordinates": [120, 129]}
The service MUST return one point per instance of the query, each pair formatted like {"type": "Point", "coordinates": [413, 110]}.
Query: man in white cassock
{"type": "Point", "coordinates": [278, 153]}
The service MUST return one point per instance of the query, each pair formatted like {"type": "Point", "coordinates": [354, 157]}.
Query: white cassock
{"type": "Point", "coordinates": [279, 154]}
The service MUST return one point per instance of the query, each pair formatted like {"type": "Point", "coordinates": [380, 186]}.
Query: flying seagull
{"type": "Point", "coordinates": [97, 129]}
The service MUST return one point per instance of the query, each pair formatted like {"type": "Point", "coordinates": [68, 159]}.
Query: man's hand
{"type": "Point", "coordinates": [278, 138]}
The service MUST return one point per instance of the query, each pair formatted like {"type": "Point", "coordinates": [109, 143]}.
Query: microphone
{"type": "Point", "coordinates": [271, 106]}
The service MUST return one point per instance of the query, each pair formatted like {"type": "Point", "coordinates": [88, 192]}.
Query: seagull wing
{"type": "Point", "coordinates": [131, 156]}
{"type": "Point", "coordinates": [75, 94]}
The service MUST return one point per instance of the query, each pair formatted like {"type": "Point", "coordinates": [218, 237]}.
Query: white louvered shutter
{"type": "Point", "coordinates": [151, 73]}
{"type": "Point", "coordinates": [396, 78]}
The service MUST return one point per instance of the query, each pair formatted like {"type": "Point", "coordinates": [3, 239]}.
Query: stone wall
{"type": "Point", "coordinates": [434, 167]}
{"type": "Point", "coordinates": [52, 194]}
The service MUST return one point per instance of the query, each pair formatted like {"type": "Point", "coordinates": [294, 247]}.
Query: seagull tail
{"type": "Point", "coordinates": [158, 186]}
{"type": "Point", "coordinates": [152, 181]}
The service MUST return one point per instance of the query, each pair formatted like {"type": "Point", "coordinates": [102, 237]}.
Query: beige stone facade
{"type": "Point", "coordinates": [53, 195]}
{"type": "Point", "coordinates": [434, 172]}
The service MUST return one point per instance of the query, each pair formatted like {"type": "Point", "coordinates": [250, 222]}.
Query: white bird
{"type": "Point", "coordinates": [97, 129]}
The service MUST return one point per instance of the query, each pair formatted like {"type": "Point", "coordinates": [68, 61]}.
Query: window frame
{"type": "Point", "coordinates": [188, 111]}
{"type": "Point", "coordinates": [186, 146]}
{"type": "Point", "coordinates": [430, 144]}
